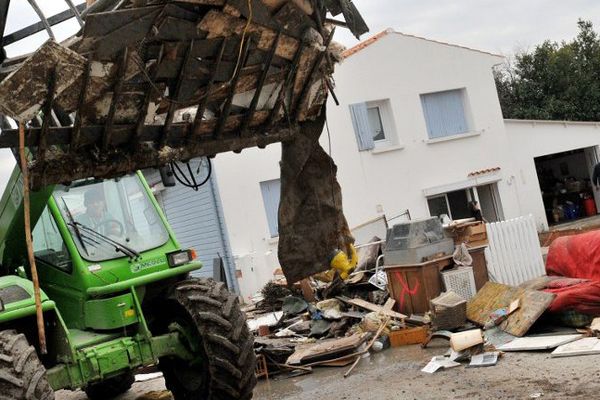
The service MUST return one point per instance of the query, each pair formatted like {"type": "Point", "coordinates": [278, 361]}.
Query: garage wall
{"type": "Point", "coordinates": [531, 139]}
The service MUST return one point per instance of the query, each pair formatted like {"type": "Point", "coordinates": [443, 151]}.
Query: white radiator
{"type": "Point", "coordinates": [514, 254]}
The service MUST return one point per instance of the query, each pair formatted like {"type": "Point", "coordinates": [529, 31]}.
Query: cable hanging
{"type": "Point", "coordinates": [189, 178]}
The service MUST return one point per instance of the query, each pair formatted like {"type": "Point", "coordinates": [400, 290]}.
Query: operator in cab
{"type": "Point", "coordinates": [96, 215]}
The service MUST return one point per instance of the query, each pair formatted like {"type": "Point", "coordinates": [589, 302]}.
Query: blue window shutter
{"type": "Point", "coordinates": [271, 192]}
{"type": "Point", "coordinates": [444, 113]}
{"type": "Point", "coordinates": [362, 129]}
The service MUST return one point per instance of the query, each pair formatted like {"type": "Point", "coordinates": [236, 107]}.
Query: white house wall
{"type": "Point", "coordinates": [239, 177]}
{"type": "Point", "coordinates": [531, 139]}
{"type": "Point", "coordinates": [400, 68]}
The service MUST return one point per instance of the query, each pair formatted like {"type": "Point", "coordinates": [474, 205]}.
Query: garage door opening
{"type": "Point", "coordinates": [566, 184]}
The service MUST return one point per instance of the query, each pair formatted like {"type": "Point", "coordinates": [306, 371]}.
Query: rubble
{"type": "Point", "coordinates": [351, 319]}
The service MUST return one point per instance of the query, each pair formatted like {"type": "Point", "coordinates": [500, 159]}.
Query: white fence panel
{"type": "Point", "coordinates": [514, 254]}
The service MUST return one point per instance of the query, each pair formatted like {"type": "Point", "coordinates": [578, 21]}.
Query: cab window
{"type": "Point", "coordinates": [48, 244]}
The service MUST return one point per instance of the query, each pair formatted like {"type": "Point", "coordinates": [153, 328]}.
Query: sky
{"type": "Point", "coordinates": [496, 26]}
{"type": "Point", "coordinates": [502, 27]}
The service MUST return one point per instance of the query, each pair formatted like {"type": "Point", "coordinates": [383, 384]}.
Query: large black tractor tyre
{"type": "Point", "coordinates": [22, 375]}
{"type": "Point", "coordinates": [222, 343]}
{"type": "Point", "coordinates": [110, 388]}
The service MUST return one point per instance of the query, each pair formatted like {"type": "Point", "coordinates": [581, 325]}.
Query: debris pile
{"type": "Point", "coordinates": [344, 321]}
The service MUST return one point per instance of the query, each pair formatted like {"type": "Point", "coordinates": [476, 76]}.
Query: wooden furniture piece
{"type": "Point", "coordinates": [414, 286]}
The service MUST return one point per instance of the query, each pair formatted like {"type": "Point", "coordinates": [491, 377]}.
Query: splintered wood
{"type": "Point", "coordinates": [494, 296]}
{"type": "Point", "coordinates": [326, 350]}
{"type": "Point", "coordinates": [162, 81]}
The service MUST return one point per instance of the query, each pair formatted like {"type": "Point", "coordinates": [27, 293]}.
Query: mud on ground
{"type": "Point", "coordinates": [396, 374]}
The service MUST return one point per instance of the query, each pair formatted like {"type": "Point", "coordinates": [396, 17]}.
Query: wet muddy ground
{"type": "Point", "coordinates": [396, 374]}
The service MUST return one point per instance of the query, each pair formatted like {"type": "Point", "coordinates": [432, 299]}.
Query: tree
{"type": "Point", "coordinates": [554, 81]}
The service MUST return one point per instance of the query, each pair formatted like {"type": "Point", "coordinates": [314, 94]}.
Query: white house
{"type": "Point", "coordinates": [419, 128]}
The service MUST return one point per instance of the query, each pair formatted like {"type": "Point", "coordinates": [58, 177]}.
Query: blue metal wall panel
{"type": "Point", "coordinates": [198, 222]}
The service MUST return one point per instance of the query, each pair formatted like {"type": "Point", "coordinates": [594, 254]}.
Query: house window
{"type": "Point", "coordinates": [445, 113]}
{"type": "Point", "coordinates": [271, 192]}
{"type": "Point", "coordinates": [373, 124]}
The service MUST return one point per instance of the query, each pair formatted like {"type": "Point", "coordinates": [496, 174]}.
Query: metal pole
{"type": "Point", "coordinates": [27, 216]}
{"type": "Point", "coordinates": [75, 11]}
{"type": "Point", "coordinates": [40, 14]}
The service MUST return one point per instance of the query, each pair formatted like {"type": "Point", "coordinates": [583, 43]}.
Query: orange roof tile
{"type": "Point", "coordinates": [484, 172]}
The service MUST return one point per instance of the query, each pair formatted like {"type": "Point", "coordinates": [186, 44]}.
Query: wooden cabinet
{"type": "Point", "coordinates": [414, 286]}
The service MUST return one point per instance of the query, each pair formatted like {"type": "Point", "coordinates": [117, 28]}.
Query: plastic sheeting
{"type": "Point", "coordinates": [575, 257]}
{"type": "Point", "coordinates": [311, 220]}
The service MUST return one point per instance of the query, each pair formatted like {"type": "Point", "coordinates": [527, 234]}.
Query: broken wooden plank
{"type": "Point", "coordinates": [259, 86]}
{"type": "Point", "coordinates": [293, 20]}
{"type": "Point", "coordinates": [219, 24]}
{"type": "Point", "coordinates": [289, 79]}
{"type": "Point", "coordinates": [327, 348]}
{"type": "Point", "coordinates": [304, 5]}
{"type": "Point", "coordinates": [372, 307]}
{"type": "Point", "coordinates": [232, 86]}
{"type": "Point", "coordinates": [312, 77]}
{"type": "Point", "coordinates": [76, 133]}
{"type": "Point", "coordinates": [109, 37]}
{"type": "Point", "coordinates": [175, 29]}
{"type": "Point", "coordinates": [174, 100]}
{"type": "Point", "coordinates": [48, 106]}
{"type": "Point", "coordinates": [209, 88]}
{"type": "Point", "coordinates": [24, 91]}
{"type": "Point", "coordinates": [494, 296]}
{"type": "Point", "coordinates": [259, 14]}
{"type": "Point", "coordinates": [117, 90]}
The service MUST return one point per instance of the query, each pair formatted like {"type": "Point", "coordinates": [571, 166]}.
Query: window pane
{"type": "Point", "coordinates": [48, 244]}
{"type": "Point", "coordinates": [438, 206]}
{"type": "Point", "coordinates": [375, 123]}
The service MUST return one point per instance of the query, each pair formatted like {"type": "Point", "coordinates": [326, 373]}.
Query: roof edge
{"type": "Point", "coordinates": [366, 43]}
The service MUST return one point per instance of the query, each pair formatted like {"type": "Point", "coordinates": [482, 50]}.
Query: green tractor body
{"type": "Point", "coordinates": [116, 296]}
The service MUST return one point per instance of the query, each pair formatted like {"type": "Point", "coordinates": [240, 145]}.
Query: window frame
{"type": "Point", "coordinates": [438, 196]}
{"type": "Point", "coordinates": [388, 126]}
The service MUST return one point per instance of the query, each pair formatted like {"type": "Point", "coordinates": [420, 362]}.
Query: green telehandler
{"type": "Point", "coordinates": [117, 296]}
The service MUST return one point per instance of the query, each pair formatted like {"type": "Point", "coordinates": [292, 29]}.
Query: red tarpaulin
{"type": "Point", "coordinates": [575, 257]}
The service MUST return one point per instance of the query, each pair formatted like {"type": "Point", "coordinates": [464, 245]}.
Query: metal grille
{"type": "Point", "coordinates": [461, 281]}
